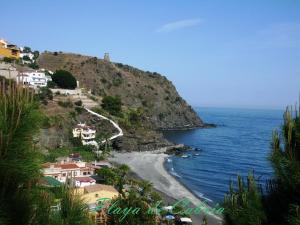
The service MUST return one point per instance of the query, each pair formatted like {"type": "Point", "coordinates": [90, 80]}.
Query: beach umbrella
{"type": "Point", "coordinates": [169, 217]}
{"type": "Point", "coordinates": [186, 220]}
{"type": "Point", "coordinates": [167, 208]}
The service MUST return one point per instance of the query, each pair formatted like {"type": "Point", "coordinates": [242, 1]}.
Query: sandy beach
{"type": "Point", "coordinates": [150, 166]}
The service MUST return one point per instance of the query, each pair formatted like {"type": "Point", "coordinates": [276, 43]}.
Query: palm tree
{"type": "Point", "coordinates": [146, 187]}
{"type": "Point", "coordinates": [19, 163]}
{"type": "Point", "coordinates": [72, 210]}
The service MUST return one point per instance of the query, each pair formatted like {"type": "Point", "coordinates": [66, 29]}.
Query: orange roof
{"type": "Point", "coordinates": [63, 166]}
{"type": "Point", "coordinates": [68, 166]}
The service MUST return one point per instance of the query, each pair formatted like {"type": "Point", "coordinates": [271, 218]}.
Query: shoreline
{"type": "Point", "coordinates": [204, 126]}
{"type": "Point", "coordinates": [150, 165]}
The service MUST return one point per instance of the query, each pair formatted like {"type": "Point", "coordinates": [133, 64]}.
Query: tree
{"type": "Point", "coordinates": [64, 79]}
{"type": "Point", "coordinates": [33, 65]}
{"type": "Point", "coordinates": [110, 176]}
{"type": "Point", "coordinates": [244, 206]}
{"type": "Point", "coordinates": [112, 104]}
{"type": "Point", "coordinates": [138, 216]}
{"type": "Point", "coordinates": [22, 200]}
{"type": "Point", "coordinates": [146, 187]}
{"type": "Point", "coordinates": [72, 210]}
{"type": "Point", "coordinates": [36, 54]}
{"type": "Point", "coordinates": [26, 58]}
{"type": "Point", "coordinates": [27, 49]}
{"type": "Point", "coordinates": [19, 120]}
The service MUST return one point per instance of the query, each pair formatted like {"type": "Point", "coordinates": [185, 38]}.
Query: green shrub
{"type": "Point", "coordinates": [79, 110]}
{"type": "Point", "coordinates": [8, 60]}
{"type": "Point", "coordinates": [65, 104]}
{"type": "Point", "coordinates": [64, 79]}
{"type": "Point", "coordinates": [78, 103]}
{"type": "Point", "coordinates": [117, 82]}
{"type": "Point", "coordinates": [51, 84]}
{"type": "Point", "coordinates": [45, 94]}
{"type": "Point", "coordinates": [33, 66]}
{"type": "Point", "coordinates": [112, 105]}
{"type": "Point", "coordinates": [26, 58]}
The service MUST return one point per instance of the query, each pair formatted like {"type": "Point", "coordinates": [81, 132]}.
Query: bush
{"type": "Point", "coordinates": [51, 84]}
{"type": "Point", "coordinates": [33, 66]}
{"type": "Point", "coordinates": [36, 54]}
{"type": "Point", "coordinates": [112, 105]}
{"type": "Point", "coordinates": [78, 103]}
{"type": "Point", "coordinates": [26, 58]}
{"type": "Point", "coordinates": [8, 60]}
{"type": "Point", "coordinates": [79, 110]}
{"type": "Point", "coordinates": [117, 82]}
{"type": "Point", "coordinates": [64, 79]}
{"type": "Point", "coordinates": [66, 104]}
{"type": "Point", "coordinates": [45, 94]}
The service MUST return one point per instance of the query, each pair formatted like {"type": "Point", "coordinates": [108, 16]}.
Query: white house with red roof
{"type": "Point", "coordinates": [62, 171]}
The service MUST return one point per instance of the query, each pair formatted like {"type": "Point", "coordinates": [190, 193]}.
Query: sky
{"type": "Point", "coordinates": [217, 53]}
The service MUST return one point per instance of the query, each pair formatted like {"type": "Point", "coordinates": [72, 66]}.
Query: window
{"type": "Point", "coordinates": [64, 174]}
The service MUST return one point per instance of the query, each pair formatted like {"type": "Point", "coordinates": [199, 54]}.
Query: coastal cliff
{"type": "Point", "coordinates": [163, 106]}
{"type": "Point", "coordinates": [156, 99]}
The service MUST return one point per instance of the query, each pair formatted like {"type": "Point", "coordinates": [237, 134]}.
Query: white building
{"type": "Point", "coordinates": [34, 79]}
{"type": "Point", "coordinates": [83, 181]}
{"type": "Point", "coordinates": [61, 171]}
{"type": "Point", "coordinates": [3, 43]}
{"type": "Point", "coordinates": [8, 71]}
{"type": "Point", "coordinates": [86, 133]}
{"type": "Point", "coordinates": [29, 54]}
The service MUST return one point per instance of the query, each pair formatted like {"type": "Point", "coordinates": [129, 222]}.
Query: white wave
{"type": "Point", "coordinates": [200, 195]}
{"type": "Point", "coordinates": [175, 174]}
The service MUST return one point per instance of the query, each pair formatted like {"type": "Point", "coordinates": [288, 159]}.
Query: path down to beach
{"type": "Point", "coordinates": [88, 103]}
{"type": "Point", "coordinates": [111, 121]}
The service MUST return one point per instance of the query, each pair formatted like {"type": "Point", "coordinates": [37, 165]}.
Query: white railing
{"type": "Point", "coordinates": [111, 121]}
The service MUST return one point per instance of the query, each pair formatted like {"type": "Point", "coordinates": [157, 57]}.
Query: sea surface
{"type": "Point", "coordinates": [240, 143]}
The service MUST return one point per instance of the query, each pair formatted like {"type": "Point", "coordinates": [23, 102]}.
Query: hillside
{"type": "Point", "coordinates": [162, 106]}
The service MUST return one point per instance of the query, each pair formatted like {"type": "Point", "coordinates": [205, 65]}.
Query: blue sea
{"type": "Point", "coordinates": [240, 143]}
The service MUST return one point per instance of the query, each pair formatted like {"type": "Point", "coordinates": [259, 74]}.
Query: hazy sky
{"type": "Point", "coordinates": [217, 53]}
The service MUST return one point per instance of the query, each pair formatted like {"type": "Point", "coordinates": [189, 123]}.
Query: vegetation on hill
{"type": "Point", "coordinates": [280, 205]}
{"type": "Point", "coordinates": [112, 105]}
{"type": "Point", "coordinates": [64, 79]}
{"type": "Point", "coordinates": [162, 106]}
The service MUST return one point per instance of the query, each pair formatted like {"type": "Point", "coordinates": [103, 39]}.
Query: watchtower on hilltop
{"type": "Point", "coordinates": [106, 57]}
